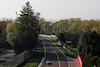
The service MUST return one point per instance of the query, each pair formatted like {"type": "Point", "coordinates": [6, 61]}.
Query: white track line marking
{"type": "Point", "coordinates": [44, 48]}
{"type": "Point", "coordinates": [57, 56]}
{"type": "Point", "coordinates": [63, 54]}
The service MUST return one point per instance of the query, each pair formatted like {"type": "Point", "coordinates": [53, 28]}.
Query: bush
{"type": "Point", "coordinates": [98, 65]}
{"type": "Point", "coordinates": [86, 60]}
{"type": "Point", "coordinates": [91, 62]}
{"type": "Point", "coordinates": [98, 61]}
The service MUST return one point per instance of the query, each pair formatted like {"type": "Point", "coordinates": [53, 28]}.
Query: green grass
{"type": "Point", "coordinates": [68, 41]}
{"type": "Point", "coordinates": [36, 58]}
{"type": "Point", "coordinates": [75, 49]}
{"type": "Point", "coordinates": [51, 38]}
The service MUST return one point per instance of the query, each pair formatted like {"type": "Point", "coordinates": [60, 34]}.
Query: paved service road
{"type": "Point", "coordinates": [56, 57]}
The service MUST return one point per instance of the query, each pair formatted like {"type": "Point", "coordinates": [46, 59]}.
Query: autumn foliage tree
{"type": "Point", "coordinates": [72, 28]}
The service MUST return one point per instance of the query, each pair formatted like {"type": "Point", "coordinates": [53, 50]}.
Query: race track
{"type": "Point", "coordinates": [56, 57]}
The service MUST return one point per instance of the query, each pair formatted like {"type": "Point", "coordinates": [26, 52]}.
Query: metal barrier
{"type": "Point", "coordinates": [18, 59]}
{"type": "Point", "coordinates": [74, 53]}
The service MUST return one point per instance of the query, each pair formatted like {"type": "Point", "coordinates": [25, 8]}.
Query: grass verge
{"type": "Point", "coordinates": [63, 50]}
{"type": "Point", "coordinates": [75, 49]}
{"type": "Point", "coordinates": [36, 58]}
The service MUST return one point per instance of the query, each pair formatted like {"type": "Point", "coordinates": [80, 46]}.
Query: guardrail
{"type": "Point", "coordinates": [18, 59]}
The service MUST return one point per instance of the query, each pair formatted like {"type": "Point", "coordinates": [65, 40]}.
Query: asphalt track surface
{"type": "Point", "coordinates": [56, 57]}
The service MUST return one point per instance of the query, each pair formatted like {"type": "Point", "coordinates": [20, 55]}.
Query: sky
{"type": "Point", "coordinates": [53, 9]}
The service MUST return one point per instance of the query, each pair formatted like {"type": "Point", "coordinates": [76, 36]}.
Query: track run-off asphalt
{"type": "Point", "coordinates": [56, 56]}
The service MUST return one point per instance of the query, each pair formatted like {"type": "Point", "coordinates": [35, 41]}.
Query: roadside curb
{"type": "Point", "coordinates": [41, 63]}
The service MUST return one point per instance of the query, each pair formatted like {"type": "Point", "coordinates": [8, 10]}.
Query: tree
{"type": "Point", "coordinates": [29, 19]}
{"type": "Point", "coordinates": [23, 35]}
{"type": "Point", "coordinates": [62, 37]}
{"type": "Point", "coordinates": [73, 28]}
{"type": "Point", "coordinates": [20, 38]}
{"type": "Point", "coordinates": [89, 43]}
